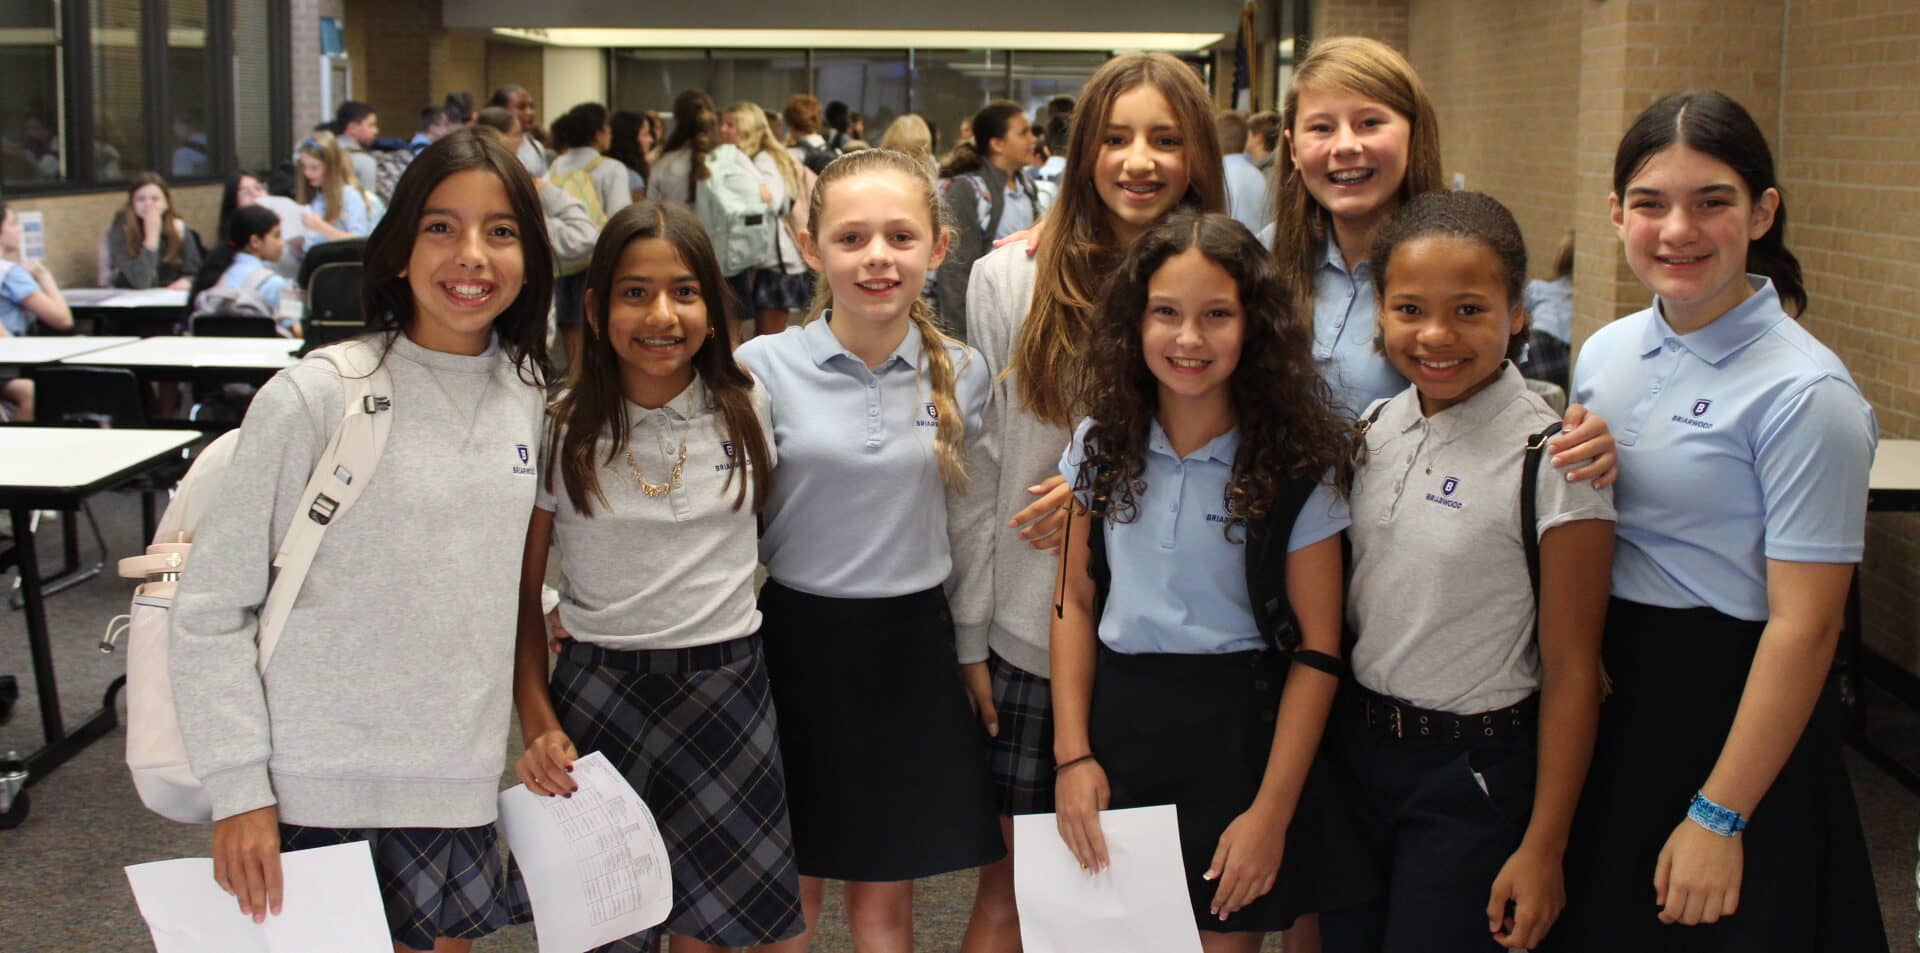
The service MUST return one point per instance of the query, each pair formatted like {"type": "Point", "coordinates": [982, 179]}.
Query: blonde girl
{"type": "Point", "coordinates": [786, 284]}
{"type": "Point", "coordinates": [908, 133]}
{"type": "Point", "coordinates": [336, 207]}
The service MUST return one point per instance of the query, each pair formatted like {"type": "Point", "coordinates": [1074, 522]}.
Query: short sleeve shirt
{"type": "Point", "coordinates": [1346, 321]}
{"type": "Point", "coordinates": [16, 286]}
{"type": "Point", "coordinates": [859, 510]}
{"type": "Point", "coordinates": [1178, 583]}
{"type": "Point", "coordinates": [670, 571]}
{"type": "Point", "coordinates": [1741, 442]}
{"type": "Point", "coordinates": [1440, 595]}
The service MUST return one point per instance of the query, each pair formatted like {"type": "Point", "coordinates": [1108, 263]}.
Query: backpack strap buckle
{"type": "Point", "coordinates": [323, 509]}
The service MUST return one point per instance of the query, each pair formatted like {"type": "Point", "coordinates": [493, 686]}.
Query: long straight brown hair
{"type": "Point", "coordinates": [1378, 72]}
{"type": "Point", "coordinates": [134, 234]}
{"type": "Point", "coordinates": [1079, 249]}
{"type": "Point", "coordinates": [594, 406]}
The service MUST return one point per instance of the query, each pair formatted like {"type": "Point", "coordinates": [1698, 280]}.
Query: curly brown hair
{"type": "Point", "coordinates": [1280, 402]}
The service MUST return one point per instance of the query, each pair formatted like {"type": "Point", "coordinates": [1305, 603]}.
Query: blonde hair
{"type": "Point", "coordinates": [750, 127]}
{"type": "Point", "coordinates": [908, 133]}
{"type": "Point", "coordinates": [1376, 71]}
{"type": "Point", "coordinates": [1078, 249]}
{"type": "Point", "coordinates": [950, 434]}
{"type": "Point", "coordinates": [332, 180]}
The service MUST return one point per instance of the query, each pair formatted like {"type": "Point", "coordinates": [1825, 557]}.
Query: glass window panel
{"type": "Point", "coordinates": [31, 111]}
{"type": "Point", "coordinates": [119, 108]}
{"type": "Point", "coordinates": [1038, 77]}
{"type": "Point", "coordinates": [762, 77]}
{"type": "Point", "coordinates": [949, 86]}
{"type": "Point", "coordinates": [190, 140]}
{"type": "Point", "coordinates": [252, 85]}
{"type": "Point", "coordinates": [872, 83]}
{"type": "Point", "coordinates": [649, 79]}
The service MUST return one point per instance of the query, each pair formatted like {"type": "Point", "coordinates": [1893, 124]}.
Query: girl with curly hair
{"type": "Point", "coordinates": [1213, 442]}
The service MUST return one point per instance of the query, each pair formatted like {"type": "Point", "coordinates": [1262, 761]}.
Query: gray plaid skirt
{"type": "Point", "coordinates": [1021, 755]}
{"type": "Point", "coordinates": [693, 732]}
{"type": "Point", "coordinates": [434, 882]}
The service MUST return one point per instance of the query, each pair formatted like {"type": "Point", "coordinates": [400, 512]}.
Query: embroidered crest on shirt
{"type": "Point", "coordinates": [726, 447]}
{"type": "Point", "coordinates": [1700, 407]}
{"type": "Point", "coordinates": [933, 416]}
{"type": "Point", "coordinates": [1447, 488]}
{"type": "Point", "coordinates": [520, 450]}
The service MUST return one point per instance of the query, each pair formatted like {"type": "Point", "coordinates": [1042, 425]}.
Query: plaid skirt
{"type": "Point", "coordinates": [693, 731]}
{"type": "Point", "coordinates": [1021, 755]}
{"type": "Point", "coordinates": [435, 882]}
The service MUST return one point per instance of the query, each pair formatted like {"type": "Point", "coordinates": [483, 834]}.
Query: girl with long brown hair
{"type": "Point", "coordinates": [153, 248]}
{"type": "Point", "coordinates": [337, 208]}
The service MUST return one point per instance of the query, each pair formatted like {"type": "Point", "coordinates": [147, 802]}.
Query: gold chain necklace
{"type": "Point", "coordinates": [673, 478]}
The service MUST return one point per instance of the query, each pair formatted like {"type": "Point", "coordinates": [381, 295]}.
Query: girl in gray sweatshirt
{"type": "Point", "coordinates": [383, 714]}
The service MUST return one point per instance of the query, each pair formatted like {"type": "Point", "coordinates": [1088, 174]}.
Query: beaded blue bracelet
{"type": "Point", "coordinates": [1724, 821]}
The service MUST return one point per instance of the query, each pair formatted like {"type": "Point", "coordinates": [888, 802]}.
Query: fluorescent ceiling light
{"type": "Point", "coordinates": [859, 39]}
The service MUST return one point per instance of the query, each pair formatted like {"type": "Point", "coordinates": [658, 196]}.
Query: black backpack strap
{"type": "Point", "coordinates": [1529, 502]}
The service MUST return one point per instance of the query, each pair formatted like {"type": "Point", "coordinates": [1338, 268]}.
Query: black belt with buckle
{"type": "Point", "coordinates": [1403, 722]}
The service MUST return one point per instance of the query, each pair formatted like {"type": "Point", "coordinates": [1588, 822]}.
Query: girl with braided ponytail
{"type": "Point", "coordinates": [877, 423]}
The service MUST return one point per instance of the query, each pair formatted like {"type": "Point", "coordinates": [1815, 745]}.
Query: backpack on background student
{"type": "Point", "coordinates": [389, 165]}
{"type": "Point", "coordinates": [579, 184]}
{"type": "Point", "coordinates": [737, 219]}
{"type": "Point", "coordinates": [246, 299]}
{"type": "Point", "coordinates": [156, 752]}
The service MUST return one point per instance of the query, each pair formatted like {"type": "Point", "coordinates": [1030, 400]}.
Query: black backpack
{"type": "Point", "coordinates": [817, 157]}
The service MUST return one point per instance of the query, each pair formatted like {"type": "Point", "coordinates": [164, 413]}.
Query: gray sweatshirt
{"type": "Point", "coordinates": [386, 702]}
{"type": "Point", "coordinates": [998, 296]}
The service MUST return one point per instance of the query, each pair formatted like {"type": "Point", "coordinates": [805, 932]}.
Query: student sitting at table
{"type": "Point", "coordinates": [154, 247]}
{"type": "Point", "coordinates": [337, 207]}
{"type": "Point", "coordinates": [239, 276]}
{"type": "Point", "coordinates": [28, 293]}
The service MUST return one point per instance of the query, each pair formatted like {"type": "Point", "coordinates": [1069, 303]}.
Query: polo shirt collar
{"type": "Point", "coordinates": [1725, 335]}
{"type": "Point", "coordinates": [691, 401]}
{"type": "Point", "coordinates": [1332, 258]}
{"type": "Point", "coordinates": [1221, 449]}
{"type": "Point", "coordinates": [1404, 413]}
{"type": "Point", "coordinates": [822, 346]}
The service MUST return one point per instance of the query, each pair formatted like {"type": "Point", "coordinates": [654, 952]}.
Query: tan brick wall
{"type": "Point", "coordinates": [75, 223]}
{"type": "Point", "coordinates": [1850, 163]}
{"type": "Point", "coordinates": [304, 33]}
{"type": "Point", "coordinates": [525, 65]}
{"type": "Point", "coordinates": [1510, 131]}
{"type": "Point", "coordinates": [457, 60]}
{"type": "Point", "coordinates": [1383, 20]}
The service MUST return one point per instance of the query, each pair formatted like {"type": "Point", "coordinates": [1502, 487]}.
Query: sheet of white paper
{"type": "Point", "coordinates": [151, 298]}
{"type": "Point", "coordinates": [595, 866]}
{"type": "Point", "coordinates": [291, 224]}
{"type": "Point", "coordinates": [1138, 905]}
{"type": "Point", "coordinates": [332, 906]}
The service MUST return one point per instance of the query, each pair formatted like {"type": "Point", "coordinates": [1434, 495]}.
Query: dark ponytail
{"type": "Point", "coordinates": [242, 226]}
{"type": "Point", "coordinates": [990, 123]}
{"type": "Point", "coordinates": [1710, 122]}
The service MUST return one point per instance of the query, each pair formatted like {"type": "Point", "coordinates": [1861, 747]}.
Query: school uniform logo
{"type": "Point", "coordinates": [522, 469]}
{"type": "Point", "coordinates": [1699, 410]}
{"type": "Point", "coordinates": [933, 416]}
{"type": "Point", "coordinates": [522, 448]}
{"type": "Point", "coordinates": [1226, 506]}
{"type": "Point", "coordinates": [726, 447]}
{"type": "Point", "coordinates": [1447, 488]}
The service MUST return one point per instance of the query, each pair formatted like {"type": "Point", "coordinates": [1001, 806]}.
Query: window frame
{"type": "Point", "coordinates": [77, 95]}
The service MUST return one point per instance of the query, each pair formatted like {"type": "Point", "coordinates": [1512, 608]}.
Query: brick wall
{"type": "Point", "coordinates": [304, 34]}
{"type": "Point", "coordinates": [1383, 20]}
{"type": "Point", "coordinates": [75, 223]}
{"type": "Point", "coordinates": [1850, 162]}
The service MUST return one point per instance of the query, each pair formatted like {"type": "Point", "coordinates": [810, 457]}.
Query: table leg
{"type": "Point", "coordinates": [60, 745]}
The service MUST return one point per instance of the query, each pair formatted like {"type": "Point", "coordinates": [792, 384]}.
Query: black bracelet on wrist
{"type": "Point", "coordinates": [1068, 764]}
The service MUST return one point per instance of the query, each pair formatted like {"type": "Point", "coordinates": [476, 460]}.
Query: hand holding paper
{"type": "Point", "coordinates": [1136, 904]}
{"type": "Point", "coordinates": [332, 906]}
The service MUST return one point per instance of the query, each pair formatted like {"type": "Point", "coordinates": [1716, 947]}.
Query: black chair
{"type": "Point", "coordinates": [84, 397]}
{"type": "Point", "coordinates": [232, 326]}
{"type": "Point", "coordinates": [333, 305]}
{"type": "Point", "coordinates": [330, 253]}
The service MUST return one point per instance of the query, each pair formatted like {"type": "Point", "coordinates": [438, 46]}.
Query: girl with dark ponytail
{"type": "Point", "coordinates": [1742, 503]}
{"type": "Point", "coordinates": [987, 190]}
{"type": "Point", "coordinates": [244, 260]}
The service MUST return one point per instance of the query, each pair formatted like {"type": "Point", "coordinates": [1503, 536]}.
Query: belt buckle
{"type": "Point", "coordinates": [1396, 721]}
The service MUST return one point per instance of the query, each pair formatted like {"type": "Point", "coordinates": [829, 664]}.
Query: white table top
{"type": "Point", "coordinates": [62, 457]}
{"type": "Point", "coordinates": [19, 351]}
{"type": "Point", "coordinates": [1896, 466]}
{"type": "Point", "coordinates": [125, 298]}
{"type": "Point", "coordinates": [262, 353]}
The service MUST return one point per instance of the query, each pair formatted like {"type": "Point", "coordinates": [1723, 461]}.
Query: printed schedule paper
{"type": "Point", "coordinates": [1137, 905]}
{"type": "Point", "coordinates": [594, 864]}
{"type": "Point", "coordinates": [332, 905]}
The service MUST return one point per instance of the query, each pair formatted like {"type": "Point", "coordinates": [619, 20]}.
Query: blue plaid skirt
{"type": "Point", "coordinates": [1021, 755]}
{"type": "Point", "coordinates": [435, 882]}
{"type": "Point", "coordinates": [693, 732]}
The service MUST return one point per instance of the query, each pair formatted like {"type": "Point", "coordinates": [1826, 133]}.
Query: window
{"type": "Point", "coordinates": [951, 85]}
{"type": "Point", "coordinates": [872, 83]}
{"type": "Point", "coordinates": [97, 91]}
{"type": "Point", "coordinates": [649, 79]}
{"type": "Point", "coordinates": [763, 77]}
{"type": "Point", "coordinates": [30, 112]}
{"type": "Point", "coordinates": [1038, 77]}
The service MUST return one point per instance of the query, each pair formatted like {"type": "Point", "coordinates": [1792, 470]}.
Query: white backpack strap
{"type": "Point", "coordinates": [342, 473]}
{"type": "Point", "coordinates": [257, 279]}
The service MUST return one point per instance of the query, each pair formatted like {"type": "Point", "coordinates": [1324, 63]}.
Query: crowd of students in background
{"type": "Point", "coordinates": [1051, 489]}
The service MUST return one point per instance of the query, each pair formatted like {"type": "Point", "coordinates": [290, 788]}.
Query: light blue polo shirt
{"type": "Point", "coordinates": [858, 510]}
{"type": "Point", "coordinates": [243, 267]}
{"type": "Point", "coordinates": [353, 215]}
{"type": "Point", "coordinates": [16, 286]}
{"type": "Point", "coordinates": [1178, 585]}
{"type": "Point", "coordinates": [1741, 442]}
{"type": "Point", "coordinates": [1247, 193]}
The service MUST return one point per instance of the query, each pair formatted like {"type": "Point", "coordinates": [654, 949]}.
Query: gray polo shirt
{"type": "Point", "coordinates": [671, 571]}
{"type": "Point", "coordinates": [1440, 595]}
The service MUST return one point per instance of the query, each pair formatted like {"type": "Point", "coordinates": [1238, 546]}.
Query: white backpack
{"type": "Point", "coordinates": [737, 219]}
{"type": "Point", "coordinates": [156, 753]}
{"type": "Point", "coordinates": [244, 299]}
